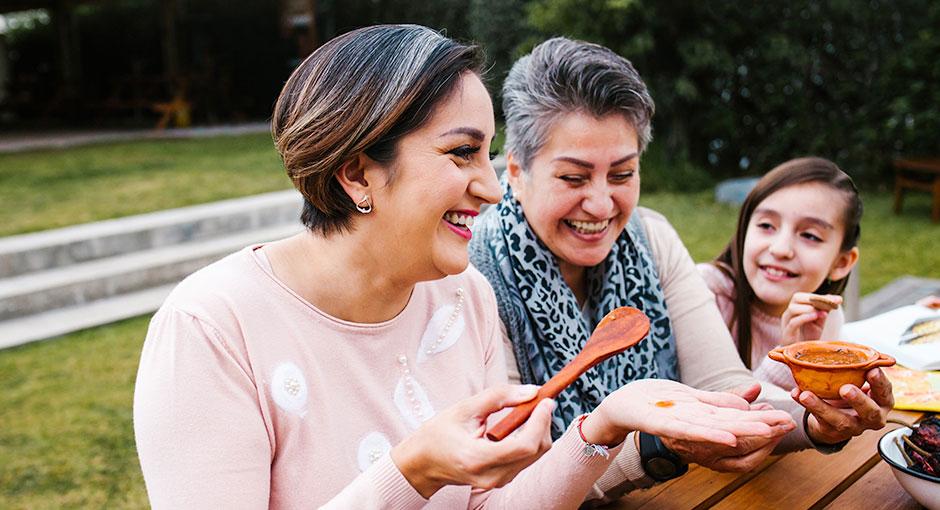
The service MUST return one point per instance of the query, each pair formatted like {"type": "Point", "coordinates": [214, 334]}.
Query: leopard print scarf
{"type": "Point", "coordinates": [542, 317]}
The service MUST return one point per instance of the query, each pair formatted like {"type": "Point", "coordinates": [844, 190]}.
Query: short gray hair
{"type": "Point", "coordinates": [563, 76]}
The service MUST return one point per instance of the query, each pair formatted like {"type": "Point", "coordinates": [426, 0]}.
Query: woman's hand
{"type": "Point", "coordinates": [859, 410]}
{"type": "Point", "coordinates": [803, 321]}
{"type": "Point", "coordinates": [750, 451]}
{"type": "Point", "coordinates": [451, 449]}
{"type": "Point", "coordinates": [669, 409]}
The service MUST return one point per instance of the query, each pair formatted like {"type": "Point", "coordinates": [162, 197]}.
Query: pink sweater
{"type": "Point", "coordinates": [766, 330]}
{"type": "Point", "coordinates": [248, 396]}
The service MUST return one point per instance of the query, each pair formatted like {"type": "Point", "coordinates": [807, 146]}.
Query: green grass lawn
{"type": "Point", "coordinates": [54, 188]}
{"type": "Point", "coordinates": [66, 438]}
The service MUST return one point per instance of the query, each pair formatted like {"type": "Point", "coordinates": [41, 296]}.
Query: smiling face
{"type": "Point", "coordinates": [581, 187]}
{"type": "Point", "coordinates": [793, 243]}
{"type": "Point", "coordinates": [443, 175]}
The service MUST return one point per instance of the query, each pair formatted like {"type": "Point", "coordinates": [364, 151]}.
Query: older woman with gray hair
{"type": "Point", "coordinates": [567, 243]}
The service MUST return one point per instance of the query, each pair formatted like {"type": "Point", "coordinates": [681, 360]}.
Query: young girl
{"type": "Point", "coordinates": [781, 277]}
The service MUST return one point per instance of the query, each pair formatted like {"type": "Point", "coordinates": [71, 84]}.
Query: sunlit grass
{"type": "Point", "coordinates": [66, 438]}
{"type": "Point", "coordinates": [55, 188]}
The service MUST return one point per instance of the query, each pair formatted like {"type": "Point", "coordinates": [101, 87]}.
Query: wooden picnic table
{"type": "Point", "coordinates": [854, 478]}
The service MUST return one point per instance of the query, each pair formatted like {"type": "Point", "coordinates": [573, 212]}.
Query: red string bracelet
{"type": "Point", "coordinates": [591, 449]}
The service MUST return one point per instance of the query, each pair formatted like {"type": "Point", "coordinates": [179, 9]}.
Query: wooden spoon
{"type": "Point", "coordinates": [619, 330]}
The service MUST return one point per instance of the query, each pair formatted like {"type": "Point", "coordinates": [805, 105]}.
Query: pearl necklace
{"type": "Point", "coordinates": [403, 360]}
{"type": "Point", "coordinates": [410, 387]}
{"type": "Point", "coordinates": [450, 322]}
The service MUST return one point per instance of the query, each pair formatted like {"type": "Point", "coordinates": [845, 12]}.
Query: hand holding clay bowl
{"type": "Point", "coordinates": [824, 367]}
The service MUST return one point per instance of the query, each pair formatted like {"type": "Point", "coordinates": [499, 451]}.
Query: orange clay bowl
{"type": "Point", "coordinates": [824, 367]}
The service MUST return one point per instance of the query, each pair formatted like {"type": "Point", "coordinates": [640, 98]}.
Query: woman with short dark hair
{"type": "Point", "coordinates": [357, 363]}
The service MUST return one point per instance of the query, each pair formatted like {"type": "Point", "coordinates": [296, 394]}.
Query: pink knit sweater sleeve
{"type": "Point", "coordinates": [765, 329]}
{"type": "Point", "coordinates": [559, 479]}
{"type": "Point", "coordinates": [202, 437]}
{"type": "Point", "coordinates": [200, 434]}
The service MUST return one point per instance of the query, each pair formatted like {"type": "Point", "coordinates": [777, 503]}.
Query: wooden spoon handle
{"type": "Point", "coordinates": [514, 419]}
{"type": "Point", "coordinates": [550, 389]}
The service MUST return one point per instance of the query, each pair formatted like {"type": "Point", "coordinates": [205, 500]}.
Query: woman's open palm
{"type": "Point", "coordinates": [671, 409]}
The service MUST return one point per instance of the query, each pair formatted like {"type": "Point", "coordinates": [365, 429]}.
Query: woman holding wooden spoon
{"type": "Point", "coordinates": [357, 363]}
{"type": "Point", "coordinates": [567, 243]}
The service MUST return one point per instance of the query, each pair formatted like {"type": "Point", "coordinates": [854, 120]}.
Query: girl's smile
{"type": "Point", "coordinates": [777, 273]}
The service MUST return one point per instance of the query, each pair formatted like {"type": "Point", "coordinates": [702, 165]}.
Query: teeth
{"type": "Point", "coordinates": [588, 227]}
{"type": "Point", "coordinates": [776, 272]}
{"type": "Point", "coordinates": [459, 219]}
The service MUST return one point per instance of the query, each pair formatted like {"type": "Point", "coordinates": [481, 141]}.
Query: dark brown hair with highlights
{"type": "Point", "coordinates": [791, 173]}
{"type": "Point", "coordinates": [357, 94]}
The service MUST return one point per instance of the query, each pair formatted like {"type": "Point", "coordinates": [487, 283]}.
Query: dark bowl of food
{"type": "Point", "coordinates": [824, 367]}
{"type": "Point", "coordinates": [914, 456]}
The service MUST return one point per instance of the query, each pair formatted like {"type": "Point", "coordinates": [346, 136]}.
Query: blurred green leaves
{"type": "Point", "coordinates": [740, 88]}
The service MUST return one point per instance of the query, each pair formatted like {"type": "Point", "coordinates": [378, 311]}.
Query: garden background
{"type": "Point", "coordinates": [739, 88]}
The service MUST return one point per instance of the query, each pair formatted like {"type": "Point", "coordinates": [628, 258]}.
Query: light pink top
{"type": "Point", "coordinates": [766, 329]}
{"type": "Point", "coordinates": [248, 396]}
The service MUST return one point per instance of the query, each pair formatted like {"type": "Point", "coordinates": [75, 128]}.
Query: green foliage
{"type": "Point", "coordinates": [662, 171]}
{"type": "Point", "coordinates": [499, 26]}
{"type": "Point", "coordinates": [741, 90]}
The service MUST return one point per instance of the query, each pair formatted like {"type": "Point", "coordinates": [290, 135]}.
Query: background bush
{"type": "Point", "coordinates": [739, 87]}
{"type": "Point", "coordinates": [742, 87]}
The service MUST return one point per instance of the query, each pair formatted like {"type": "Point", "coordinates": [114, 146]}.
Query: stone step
{"type": "Point", "coordinates": [77, 284]}
{"type": "Point", "coordinates": [67, 320]}
{"type": "Point", "coordinates": [60, 248]}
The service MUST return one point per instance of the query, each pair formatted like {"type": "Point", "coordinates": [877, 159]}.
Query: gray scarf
{"type": "Point", "coordinates": [545, 324]}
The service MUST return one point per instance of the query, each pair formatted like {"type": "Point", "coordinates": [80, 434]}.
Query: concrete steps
{"type": "Point", "coordinates": [70, 319]}
{"type": "Point", "coordinates": [63, 280]}
{"type": "Point", "coordinates": [51, 249]}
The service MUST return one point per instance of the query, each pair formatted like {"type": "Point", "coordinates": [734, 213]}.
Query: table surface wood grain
{"type": "Point", "coordinates": [854, 478]}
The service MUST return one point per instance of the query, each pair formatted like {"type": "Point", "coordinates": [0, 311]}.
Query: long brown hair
{"type": "Point", "coordinates": [791, 173]}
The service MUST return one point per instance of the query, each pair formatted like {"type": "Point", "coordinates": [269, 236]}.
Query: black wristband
{"type": "Point", "coordinates": [821, 447]}
{"type": "Point", "coordinates": [659, 462]}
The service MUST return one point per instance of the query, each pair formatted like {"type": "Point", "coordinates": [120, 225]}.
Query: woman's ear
{"type": "Point", "coordinates": [844, 264]}
{"type": "Point", "coordinates": [516, 176]}
{"type": "Point", "coordinates": [360, 177]}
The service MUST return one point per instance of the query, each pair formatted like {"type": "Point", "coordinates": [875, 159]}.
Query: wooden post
{"type": "Point", "coordinates": [65, 32]}
{"type": "Point", "coordinates": [171, 63]}
{"type": "Point", "coordinates": [4, 69]}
